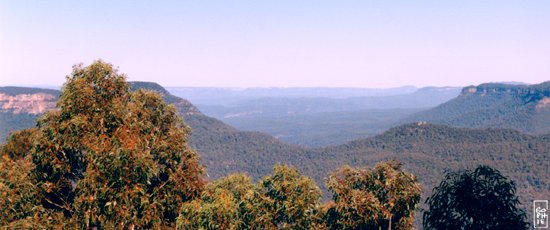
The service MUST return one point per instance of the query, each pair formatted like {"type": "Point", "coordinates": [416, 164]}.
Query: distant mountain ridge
{"type": "Point", "coordinates": [221, 96]}
{"type": "Point", "coordinates": [427, 150]}
{"type": "Point", "coordinates": [324, 121]}
{"type": "Point", "coordinates": [279, 106]}
{"type": "Point", "coordinates": [27, 100]}
{"type": "Point", "coordinates": [521, 107]}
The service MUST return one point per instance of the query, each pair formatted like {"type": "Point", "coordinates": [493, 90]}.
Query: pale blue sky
{"type": "Point", "coordinates": [279, 43]}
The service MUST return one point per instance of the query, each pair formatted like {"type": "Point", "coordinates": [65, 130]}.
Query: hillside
{"type": "Point", "coordinates": [224, 149]}
{"type": "Point", "coordinates": [426, 150]}
{"type": "Point", "coordinates": [429, 150]}
{"type": "Point", "coordinates": [521, 107]}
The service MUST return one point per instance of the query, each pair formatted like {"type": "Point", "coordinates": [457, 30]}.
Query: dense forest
{"type": "Point", "coordinates": [521, 107]}
{"type": "Point", "coordinates": [109, 158]}
{"type": "Point", "coordinates": [113, 155]}
{"type": "Point", "coordinates": [426, 149]}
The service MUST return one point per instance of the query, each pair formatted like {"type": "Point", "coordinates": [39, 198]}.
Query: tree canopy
{"type": "Point", "coordinates": [112, 158]}
{"type": "Point", "coordinates": [224, 204]}
{"type": "Point", "coordinates": [284, 200]}
{"type": "Point", "coordinates": [109, 157]}
{"type": "Point", "coordinates": [474, 199]}
{"type": "Point", "coordinates": [17, 191]}
{"type": "Point", "coordinates": [383, 197]}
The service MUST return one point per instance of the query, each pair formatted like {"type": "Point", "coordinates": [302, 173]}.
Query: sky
{"type": "Point", "coordinates": [279, 43]}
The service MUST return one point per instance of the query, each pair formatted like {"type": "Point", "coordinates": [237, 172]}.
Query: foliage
{"type": "Point", "coordinates": [224, 204]}
{"type": "Point", "coordinates": [108, 158]}
{"type": "Point", "coordinates": [382, 197]}
{"type": "Point", "coordinates": [286, 200]}
{"type": "Point", "coordinates": [475, 199]}
{"type": "Point", "coordinates": [19, 144]}
{"type": "Point", "coordinates": [19, 206]}
{"type": "Point", "coordinates": [215, 211]}
{"type": "Point", "coordinates": [426, 150]}
{"type": "Point", "coordinates": [16, 189]}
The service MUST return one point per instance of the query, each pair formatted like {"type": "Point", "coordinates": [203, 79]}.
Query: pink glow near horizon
{"type": "Point", "coordinates": [280, 43]}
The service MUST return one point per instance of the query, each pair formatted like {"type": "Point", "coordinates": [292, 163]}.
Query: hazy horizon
{"type": "Point", "coordinates": [46, 86]}
{"type": "Point", "coordinates": [244, 44]}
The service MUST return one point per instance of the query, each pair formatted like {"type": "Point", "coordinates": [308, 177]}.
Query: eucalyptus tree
{"type": "Point", "coordinates": [110, 158]}
{"type": "Point", "coordinates": [383, 197]}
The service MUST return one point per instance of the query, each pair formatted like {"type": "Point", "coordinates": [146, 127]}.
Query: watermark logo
{"type": "Point", "coordinates": [540, 217]}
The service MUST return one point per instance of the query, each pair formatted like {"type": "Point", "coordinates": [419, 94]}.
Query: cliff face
{"type": "Point", "coordinates": [20, 106]}
{"type": "Point", "coordinates": [36, 103]}
{"type": "Point", "coordinates": [22, 100]}
{"type": "Point", "coordinates": [539, 94]}
{"type": "Point", "coordinates": [528, 93]}
{"type": "Point", "coordinates": [521, 107]}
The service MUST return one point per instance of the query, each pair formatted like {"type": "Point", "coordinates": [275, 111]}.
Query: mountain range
{"type": "Point", "coordinates": [307, 119]}
{"type": "Point", "coordinates": [425, 149]}
{"type": "Point", "coordinates": [225, 96]}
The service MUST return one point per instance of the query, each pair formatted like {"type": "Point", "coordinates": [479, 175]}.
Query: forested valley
{"type": "Point", "coordinates": [119, 155]}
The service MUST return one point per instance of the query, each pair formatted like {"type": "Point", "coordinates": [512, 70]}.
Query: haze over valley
{"type": "Point", "coordinates": [315, 116]}
{"type": "Point", "coordinates": [274, 114]}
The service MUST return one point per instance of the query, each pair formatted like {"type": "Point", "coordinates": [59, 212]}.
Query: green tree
{"type": "Point", "coordinates": [224, 204]}
{"type": "Point", "coordinates": [19, 144]}
{"type": "Point", "coordinates": [474, 199]}
{"type": "Point", "coordinates": [19, 206]}
{"type": "Point", "coordinates": [285, 200]}
{"type": "Point", "coordinates": [16, 189]}
{"type": "Point", "coordinates": [106, 158]}
{"type": "Point", "coordinates": [383, 197]}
